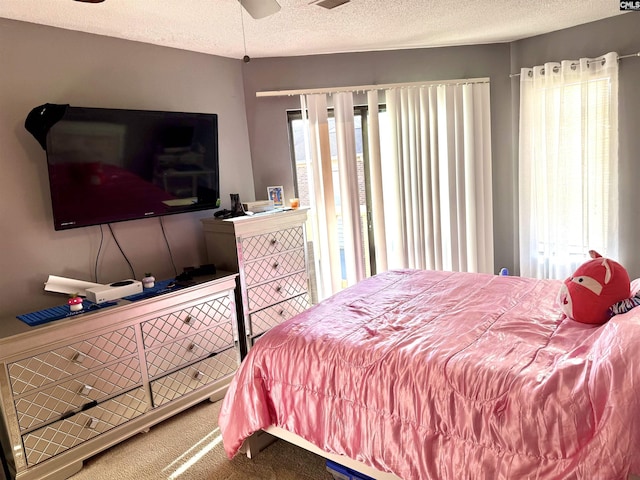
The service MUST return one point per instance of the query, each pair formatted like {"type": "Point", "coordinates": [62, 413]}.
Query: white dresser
{"type": "Point", "coordinates": [73, 387]}
{"type": "Point", "coordinates": [269, 252]}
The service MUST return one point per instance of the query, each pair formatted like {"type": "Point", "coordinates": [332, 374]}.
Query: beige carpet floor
{"type": "Point", "coordinates": [188, 446]}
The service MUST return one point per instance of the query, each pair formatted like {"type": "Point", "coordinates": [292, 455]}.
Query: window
{"type": "Point", "coordinates": [302, 172]}
{"type": "Point", "coordinates": [568, 165]}
{"type": "Point", "coordinates": [406, 175]}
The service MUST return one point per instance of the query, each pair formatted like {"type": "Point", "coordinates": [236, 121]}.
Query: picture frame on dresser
{"type": "Point", "coordinates": [276, 195]}
{"type": "Point", "coordinates": [269, 253]}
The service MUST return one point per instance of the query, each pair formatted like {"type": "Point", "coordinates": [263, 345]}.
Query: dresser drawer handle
{"type": "Point", "coordinates": [188, 319]}
{"type": "Point", "coordinates": [198, 375]}
{"type": "Point", "coordinates": [273, 241]}
{"type": "Point", "coordinates": [275, 265]}
{"type": "Point", "coordinates": [78, 357]}
{"type": "Point", "coordinates": [278, 289]}
{"type": "Point", "coordinates": [92, 423]}
{"type": "Point", "coordinates": [282, 312]}
{"type": "Point", "coordinates": [192, 347]}
{"type": "Point", "coordinates": [85, 390]}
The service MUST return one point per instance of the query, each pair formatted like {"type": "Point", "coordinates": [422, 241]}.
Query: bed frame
{"type": "Point", "coordinates": [262, 439]}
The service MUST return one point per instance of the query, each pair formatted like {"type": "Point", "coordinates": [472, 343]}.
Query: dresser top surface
{"type": "Point", "coordinates": [256, 224]}
{"type": "Point", "coordinates": [13, 327]}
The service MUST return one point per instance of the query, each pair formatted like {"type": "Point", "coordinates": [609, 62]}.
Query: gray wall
{"type": "Point", "coordinates": [266, 116]}
{"type": "Point", "coordinates": [622, 35]}
{"type": "Point", "coordinates": [40, 64]}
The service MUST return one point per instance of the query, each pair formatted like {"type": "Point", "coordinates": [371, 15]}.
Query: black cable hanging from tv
{"type": "Point", "coordinates": [122, 251]}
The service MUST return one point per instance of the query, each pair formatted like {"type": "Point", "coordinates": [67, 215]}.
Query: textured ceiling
{"type": "Point", "coordinates": [301, 28]}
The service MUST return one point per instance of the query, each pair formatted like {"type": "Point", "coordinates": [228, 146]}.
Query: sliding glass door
{"type": "Point", "coordinates": [303, 172]}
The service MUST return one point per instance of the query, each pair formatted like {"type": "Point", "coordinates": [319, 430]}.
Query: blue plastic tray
{"type": "Point", "coordinates": [63, 311]}
{"type": "Point", "coordinates": [60, 312]}
{"type": "Point", "coordinates": [341, 472]}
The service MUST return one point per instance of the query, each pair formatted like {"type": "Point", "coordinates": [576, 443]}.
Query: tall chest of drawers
{"type": "Point", "coordinates": [269, 252]}
{"type": "Point", "coordinates": [73, 387]}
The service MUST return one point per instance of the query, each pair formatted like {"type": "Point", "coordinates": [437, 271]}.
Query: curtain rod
{"type": "Point", "coordinates": [285, 93]}
{"type": "Point", "coordinates": [620, 57]}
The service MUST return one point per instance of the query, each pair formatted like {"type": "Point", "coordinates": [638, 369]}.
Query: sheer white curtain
{"type": "Point", "coordinates": [349, 190]}
{"type": "Point", "coordinates": [437, 178]}
{"type": "Point", "coordinates": [568, 175]}
{"type": "Point", "coordinates": [324, 226]}
{"type": "Point", "coordinates": [375, 175]}
{"type": "Point", "coordinates": [334, 226]}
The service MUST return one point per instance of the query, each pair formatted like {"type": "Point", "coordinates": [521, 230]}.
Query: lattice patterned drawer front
{"type": "Point", "coordinates": [271, 243]}
{"type": "Point", "coordinates": [282, 264]}
{"type": "Point", "coordinates": [65, 434]}
{"type": "Point", "coordinates": [276, 291]}
{"type": "Point", "coordinates": [79, 357]}
{"type": "Point", "coordinates": [187, 350]}
{"type": "Point", "coordinates": [51, 403]}
{"type": "Point", "coordinates": [186, 321]}
{"type": "Point", "coordinates": [276, 314]}
{"type": "Point", "coordinates": [190, 378]}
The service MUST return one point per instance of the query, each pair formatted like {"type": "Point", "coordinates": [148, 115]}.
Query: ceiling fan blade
{"type": "Point", "coordinates": [260, 8]}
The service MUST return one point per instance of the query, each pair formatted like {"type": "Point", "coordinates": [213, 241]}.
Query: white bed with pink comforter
{"type": "Point", "coordinates": [436, 375]}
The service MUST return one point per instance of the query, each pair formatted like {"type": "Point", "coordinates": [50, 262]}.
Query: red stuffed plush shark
{"type": "Point", "coordinates": [594, 287]}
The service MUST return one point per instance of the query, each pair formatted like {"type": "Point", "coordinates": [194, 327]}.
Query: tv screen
{"type": "Point", "coordinates": [111, 165]}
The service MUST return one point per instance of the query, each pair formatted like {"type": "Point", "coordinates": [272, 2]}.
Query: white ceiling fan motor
{"type": "Point", "coordinates": [260, 8]}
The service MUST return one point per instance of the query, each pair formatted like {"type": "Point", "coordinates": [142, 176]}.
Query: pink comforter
{"type": "Point", "coordinates": [449, 376]}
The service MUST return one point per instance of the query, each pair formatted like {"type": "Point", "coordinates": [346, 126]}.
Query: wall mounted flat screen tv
{"type": "Point", "coordinates": [112, 165]}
